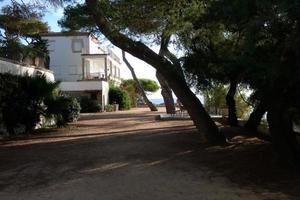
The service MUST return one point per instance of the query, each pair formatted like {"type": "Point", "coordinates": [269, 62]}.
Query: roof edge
{"type": "Point", "coordinates": [66, 34]}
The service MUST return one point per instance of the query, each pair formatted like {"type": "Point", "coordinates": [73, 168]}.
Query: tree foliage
{"type": "Point", "coordinates": [255, 43]}
{"type": "Point", "coordinates": [63, 109]}
{"type": "Point", "coordinates": [131, 87]}
{"type": "Point", "coordinates": [262, 52]}
{"type": "Point", "coordinates": [20, 24]}
{"type": "Point", "coordinates": [22, 101]}
{"type": "Point", "coordinates": [119, 96]}
{"type": "Point", "coordinates": [215, 99]}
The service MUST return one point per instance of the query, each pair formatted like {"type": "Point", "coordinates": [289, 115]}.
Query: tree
{"type": "Point", "coordinates": [20, 24]}
{"type": "Point", "coordinates": [146, 85]}
{"type": "Point", "coordinates": [122, 27]}
{"type": "Point", "coordinates": [264, 51]}
{"type": "Point", "coordinates": [167, 94]}
{"type": "Point", "coordinates": [215, 98]}
{"type": "Point", "coordinates": [140, 23]}
{"type": "Point", "coordinates": [270, 44]}
{"type": "Point", "coordinates": [214, 57]}
{"type": "Point", "coordinates": [140, 86]}
{"type": "Point", "coordinates": [255, 117]}
{"type": "Point", "coordinates": [119, 96]}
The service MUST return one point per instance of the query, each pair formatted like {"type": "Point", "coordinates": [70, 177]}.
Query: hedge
{"type": "Point", "coordinates": [25, 99]}
{"type": "Point", "coordinates": [119, 96]}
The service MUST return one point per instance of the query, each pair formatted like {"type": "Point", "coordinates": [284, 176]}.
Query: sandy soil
{"type": "Point", "coordinates": [131, 155]}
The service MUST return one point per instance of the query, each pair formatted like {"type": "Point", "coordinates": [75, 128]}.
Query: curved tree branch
{"type": "Point", "coordinates": [138, 84]}
{"type": "Point", "coordinates": [201, 118]}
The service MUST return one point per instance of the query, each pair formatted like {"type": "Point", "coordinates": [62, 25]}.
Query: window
{"type": "Point", "coordinates": [77, 45]}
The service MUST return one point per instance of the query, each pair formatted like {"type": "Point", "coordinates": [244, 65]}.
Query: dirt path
{"type": "Point", "coordinates": [110, 156]}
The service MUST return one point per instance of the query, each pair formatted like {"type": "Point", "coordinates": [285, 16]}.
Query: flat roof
{"type": "Point", "coordinates": [70, 33]}
{"type": "Point", "coordinates": [66, 33]}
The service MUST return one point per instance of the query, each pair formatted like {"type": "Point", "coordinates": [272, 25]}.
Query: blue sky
{"type": "Point", "coordinates": [52, 17]}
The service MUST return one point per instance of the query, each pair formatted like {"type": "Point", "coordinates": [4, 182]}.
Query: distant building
{"type": "Point", "coordinates": [83, 68]}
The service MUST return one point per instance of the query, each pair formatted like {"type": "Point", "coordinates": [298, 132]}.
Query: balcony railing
{"type": "Point", "coordinates": [95, 76]}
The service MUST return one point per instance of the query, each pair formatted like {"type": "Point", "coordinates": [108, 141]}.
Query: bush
{"type": "Point", "coordinates": [109, 108]}
{"type": "Point", "coordinates": [64, 109]}
{"type": "Point", "coordinates": [89, 106]}
{"type": "Point", "coordinates": [22, 101]}
{"type": "Point", "coordinates": [119, 96]}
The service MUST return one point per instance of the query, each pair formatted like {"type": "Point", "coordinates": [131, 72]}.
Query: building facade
{"type": "Point", "coordinates": [82, 67]}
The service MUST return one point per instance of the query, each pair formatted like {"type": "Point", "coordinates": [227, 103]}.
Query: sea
{"type": "Point", "coordinates": [157, 101]}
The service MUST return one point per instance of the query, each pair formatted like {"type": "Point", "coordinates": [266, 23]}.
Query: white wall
{"type": "Point", "coordinates": [18, 69]}
{"type": "Point", "coordinates": [66, 64]}
{"type": "Point", "coordinates": [81, 86]}
{"type": "Point", "coordinates": [105, 89]}
{"type": "Point", "coordinates": [87, 86]}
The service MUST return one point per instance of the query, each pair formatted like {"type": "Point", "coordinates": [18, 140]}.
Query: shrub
{"type": "Point", "coordinates": [22, 101]}
{"type": "Point", "coordinates": [119, 96]}
{"type": "Point", "coordinates": [64, 109]}
{"type": "Point", "coordinates": [88, 105]}
{"type": "Point", "coordinates": [109, 108]}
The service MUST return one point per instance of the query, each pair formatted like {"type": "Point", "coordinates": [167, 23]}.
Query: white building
{"type": "Point", "coordinates": [83, 68]}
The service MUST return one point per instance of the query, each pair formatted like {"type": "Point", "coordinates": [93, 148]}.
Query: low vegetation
{"type": "Point", "coordinates": [89, 105]}
{"type": "Point", "coordinates": [119, 96]}
{"type": "Point", "coordinates": [63, 109]}
{"type": "Point", "coordinates": [24, 100]}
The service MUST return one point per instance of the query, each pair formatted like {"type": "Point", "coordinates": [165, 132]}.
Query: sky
{"type": "Point", "coordinates": [142, 69]}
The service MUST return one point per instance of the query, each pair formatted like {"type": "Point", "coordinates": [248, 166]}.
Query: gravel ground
{"type": "Point", "coordinates": [114, 156]}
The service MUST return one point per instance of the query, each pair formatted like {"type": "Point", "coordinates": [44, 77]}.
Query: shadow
{"type": "Point", "coordinates": [118, 115]}
{"type": "Point", "coordinates": [43, 164]}
{"type": "Point", "coordinates": [13, 142]}
{"type": "Point", "coordinates": [123, 123]}
{"type": "Point", "coordinates": [167, 152]}
{"type": "Point", "coordinates": [246, 161]}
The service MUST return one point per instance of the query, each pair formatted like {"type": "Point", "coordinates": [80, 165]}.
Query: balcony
{"type": "Point", "coordinates": [95, 76]}
{"type": "Point", "coordinates": [100, 67]}
{"type": "Point", "coordinates": [84, 85]}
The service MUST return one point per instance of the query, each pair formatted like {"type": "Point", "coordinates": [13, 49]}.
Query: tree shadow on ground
{"type": "Point", "coordinates": [246, 161]}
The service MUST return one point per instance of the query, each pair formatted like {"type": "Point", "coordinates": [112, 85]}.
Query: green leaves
{"type": "Point", "coordinates": [147, 85]}
{"type": "Point", "coordinates": [131, 87]}
{"type": "Point", "coordinates": [21, 23]}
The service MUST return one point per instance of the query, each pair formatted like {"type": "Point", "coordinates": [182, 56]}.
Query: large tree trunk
{"type": "Point", "coordinates": [138, 84]}
{"type": "Point", "coordinates": [230, 101]}
{"type": "Point", "coordinates": [198, 114]}
{"type": "Point", "coordinates": [255, 117]}
{"type": "Point", "coordinates": [283, 137]}
{"type": "Point", "coordinates": [169, 71]}
{"type": "Point", "coordinates": [166, 93]}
